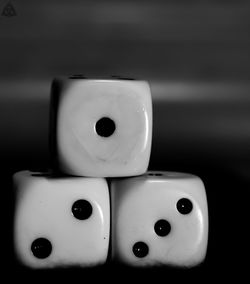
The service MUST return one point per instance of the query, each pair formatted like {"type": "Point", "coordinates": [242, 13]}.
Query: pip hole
{"type": "Point", "coordinates": [105, 127]}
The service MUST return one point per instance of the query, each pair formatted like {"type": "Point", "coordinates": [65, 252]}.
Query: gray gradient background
{"type": "Point", "coordinates": [196, 57]}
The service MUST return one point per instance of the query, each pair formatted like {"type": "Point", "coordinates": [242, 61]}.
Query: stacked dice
{"type": "Point", "coordinates": [101, 132]}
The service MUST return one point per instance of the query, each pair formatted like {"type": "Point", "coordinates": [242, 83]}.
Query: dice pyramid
{"type": "Point", "coordinates": [100, 141]}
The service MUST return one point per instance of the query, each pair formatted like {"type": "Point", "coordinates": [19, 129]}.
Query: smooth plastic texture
{"type": "Point", "coordinates": [145, 212]}
{"type": "Point", "coordinates": [49, 208]}
{"type": "Point", "coordinates": [101, 128]}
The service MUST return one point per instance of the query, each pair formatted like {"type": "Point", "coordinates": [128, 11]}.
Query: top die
{"type": "Point", "coordinates": [100, 128]}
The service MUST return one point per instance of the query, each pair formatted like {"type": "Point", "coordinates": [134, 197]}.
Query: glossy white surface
{"type": "Point", "coordinates": [43, 209]}
{"type": "Point", "coordinates": [81, 151]}
{"type": "Point", "coordinates": [138, 202]}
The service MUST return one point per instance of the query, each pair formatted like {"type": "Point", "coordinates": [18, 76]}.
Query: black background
{"type": "Point", "coordinates": [195, 55]}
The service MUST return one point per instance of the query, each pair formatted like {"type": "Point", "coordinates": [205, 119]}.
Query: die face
{"type": "Point", "coordinates": [61, 221]}
{"type": "Point", "coordinates": [159, 220]}
{"type": "Point", "coordinates": [104, 127]}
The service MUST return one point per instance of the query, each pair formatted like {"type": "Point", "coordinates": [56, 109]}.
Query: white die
{"type": "Point", "coordinates": [101, 128]}
{"type": "Point", "coordinates": [61, 221]}
{"type": "Point", "coordinates": [160, 218]}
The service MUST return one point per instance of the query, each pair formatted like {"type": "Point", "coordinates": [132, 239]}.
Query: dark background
{"type": "Point", "coordinates": [196, 57]}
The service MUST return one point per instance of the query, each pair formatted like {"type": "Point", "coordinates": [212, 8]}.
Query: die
{"type": "Point", "coordinates": [100, 128]}
{"type": "Point", "coordinates": [159, 218]}
{"type": "Point", "coordinates": [61, 221]}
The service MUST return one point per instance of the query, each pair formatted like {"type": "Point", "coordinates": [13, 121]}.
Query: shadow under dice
{"type": "Point", "coordinates": [159, 218]}
{"type": "Point", "coordinates": [61, 221]}
{"type": "Point", "coordinates": [101, 127]}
